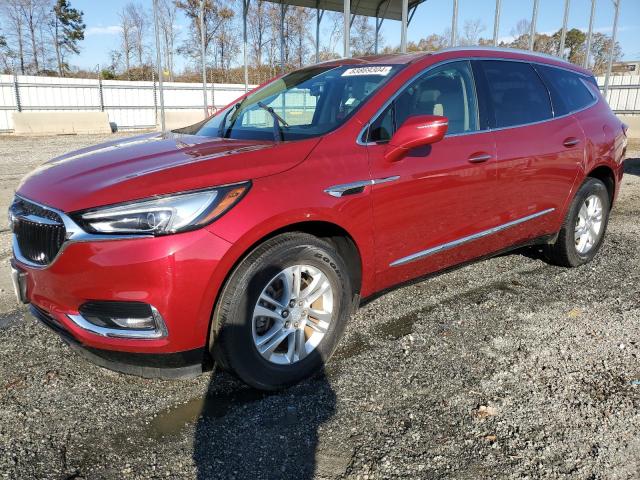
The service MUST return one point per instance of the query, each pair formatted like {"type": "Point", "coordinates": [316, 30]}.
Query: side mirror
{"type": "Point", "coordinates": [416, 131]}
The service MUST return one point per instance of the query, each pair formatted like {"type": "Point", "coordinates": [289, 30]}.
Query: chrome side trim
{"type": "Point", "coordinates": [159, 332]}
{"type": "Point", "coordinates": [463, 240]}
{"type": "Point", "coordinates": [356, 187]}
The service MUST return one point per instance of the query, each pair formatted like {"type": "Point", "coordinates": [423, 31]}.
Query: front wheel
{"type": "Point", "coordinates": [583, 230]}
{"type": "Point", "coordinates": [282, 311]}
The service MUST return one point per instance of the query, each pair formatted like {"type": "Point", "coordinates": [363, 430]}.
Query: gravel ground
{"type": "Point", "coordinates": [508, 368]}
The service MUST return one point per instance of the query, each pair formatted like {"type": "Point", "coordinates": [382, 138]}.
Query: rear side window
{"type": "Point", "coordinates": [568, 89]}
{"type": "Point", "coordinates": [516, 92]}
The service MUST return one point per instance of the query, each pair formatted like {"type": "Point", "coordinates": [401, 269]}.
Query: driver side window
{"type": "Point", "coordinates": [447, 90]}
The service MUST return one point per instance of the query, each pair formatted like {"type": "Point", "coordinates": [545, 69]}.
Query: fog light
{"type": "Point", "coordinates": [121, 319]}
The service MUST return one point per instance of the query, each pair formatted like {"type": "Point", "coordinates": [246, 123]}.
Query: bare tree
{"type": "Point", "coordinates": [126, 39]}
{"type": "Point", "coordinates": [33, 13]}
{"type": "Point", "coordinates": [167, 13]}
{"type": "Point", "coordinates": [212, 20]}
{"type": "Point", "coordinates": [472, 32]}
{"type": "Point", "coordinates": [273, 44]}
{"type": "Point", "coordinates": [225, 41]}
{"type": "Point", "coordinates": [11, 10]}
{"type": "Point", "coordinates": [257, 30]}
{"type": "Point", "coordinates": [333, 35]}
{"type": "Point", "coordinates": [521, 34]}
{"type": "Point", "coordinates": [363, 38]}
{"type": "Point", "coordinates": [299, 37]}
{"type": "Point", "coordinates": [140, 21]}
{"type": "Point", "coordinates": [600, 50]}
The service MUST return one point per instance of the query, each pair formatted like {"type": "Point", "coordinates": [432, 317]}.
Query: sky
{"type": "Point", "coordinates": [433, 16]}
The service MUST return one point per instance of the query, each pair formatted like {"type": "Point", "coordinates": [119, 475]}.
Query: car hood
{"type": "Point", "coordinates": [154, 164]}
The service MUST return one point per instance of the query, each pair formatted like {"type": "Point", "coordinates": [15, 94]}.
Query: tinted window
{"type": "Point", "coordinates": [568, 89]}
{"type": "Point", "coordinates": [447, 90]}
{"type": "Point", "coordinates": [382, 128]}
{"type": "Point", "coordinates": [518, 96]}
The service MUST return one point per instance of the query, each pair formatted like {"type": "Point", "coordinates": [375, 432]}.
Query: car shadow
{"type": "Point", "coordinates": [632, 166]}
{"type": "Point", "coordinates": [243, 433]}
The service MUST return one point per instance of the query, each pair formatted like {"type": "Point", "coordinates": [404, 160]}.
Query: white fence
{"type": "Point", "coordinates": [134, 105]}
{"type": "Point", "coordinates": [130, 105]}
{"type": "Point", "coordinates": [624, 93]}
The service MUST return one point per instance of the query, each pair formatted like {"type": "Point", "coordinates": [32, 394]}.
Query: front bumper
{"type": "Point", "coordinates": [149, 365]}
{"type": "Point", "coordinates": [177, 274]}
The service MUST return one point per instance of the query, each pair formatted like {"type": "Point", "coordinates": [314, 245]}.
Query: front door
{"type": "Point", "coordinates": [430, 207]}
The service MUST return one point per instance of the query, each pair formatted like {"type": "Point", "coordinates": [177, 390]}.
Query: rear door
{"type": "Point", "coordinates": [428, 203]}
{"type": "Point", "coordinates": [538, 154]}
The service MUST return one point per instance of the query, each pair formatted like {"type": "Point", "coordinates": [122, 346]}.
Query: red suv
{"type": "Point", "coordinates": [249, 239]}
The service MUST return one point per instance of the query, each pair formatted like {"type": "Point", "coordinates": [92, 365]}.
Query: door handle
{"type": "Point", "coordinates": [571, 142]}
{"type": "Point", "coordinates": [479, 158]}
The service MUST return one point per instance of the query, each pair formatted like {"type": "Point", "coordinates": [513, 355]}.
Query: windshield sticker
{"type": "Point", "coordinates": [353, 72]}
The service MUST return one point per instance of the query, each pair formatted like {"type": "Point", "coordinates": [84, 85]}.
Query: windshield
{"type": "Point", "coordinates": [302, 104]}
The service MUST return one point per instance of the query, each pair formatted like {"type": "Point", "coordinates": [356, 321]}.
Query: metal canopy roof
{"type": "Point", "coordinates": [388, 9]}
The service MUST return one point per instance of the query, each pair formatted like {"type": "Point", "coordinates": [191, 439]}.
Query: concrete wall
{"type": "Point", "coordinates": [130, 105]}
{"type": "Point", "coordinates": [182, 118]}
{"type": "Point", "coordinates": [634, 124]}
{"type": "Point", "coordinates": [48, 123]}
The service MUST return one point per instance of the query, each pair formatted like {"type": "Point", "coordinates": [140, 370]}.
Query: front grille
{"type": "Point", "coordinates": [39, 232]}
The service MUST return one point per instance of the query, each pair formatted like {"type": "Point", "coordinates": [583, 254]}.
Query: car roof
{"type": "Point", "coordinates": [476, 51]}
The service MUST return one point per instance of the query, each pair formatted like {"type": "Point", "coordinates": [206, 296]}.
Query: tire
{"type": "Point", "coordinates": [568, 250]}
{"type": "Point", "coordinates": [237, 331]}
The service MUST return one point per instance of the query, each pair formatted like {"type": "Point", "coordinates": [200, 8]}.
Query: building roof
{"type": "Point", "coordinates": [391, 9]}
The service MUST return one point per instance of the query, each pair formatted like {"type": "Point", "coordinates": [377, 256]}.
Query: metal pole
{"type": "Point", "coordinates": [213, 94]}
{"type": "Point", "coordinates": [100, 92]}
{"type": "Point", "coordinates": [319, 15]}
{"type": "Point", "coordinates": [534, 19]}
{"type": "Point", "coordinates": [565, 21]}
{"type": "Point", "coordinates": [16, 90]}
{"type": "Point", "coordinates": [403, 27]}
{"type": "Point", "coordinates": [155, 96]}
{"type": "Point", "coordinates": [282, 12]}
{"type": "Point", "coordinates": [613, 47]}
{"type": "Point", "coordinates": [587, 54]}
{"type": "Point", "coordinates": [203, 57]}
{"type": "Point", "coordinates": [496, 23]}
{"type": "Point", "coordinates": [159, 62]}
{"type": "Point", "coordinates": [454, 23]}
{"type": "Point", "coordinates": [347, 28]}
{"type": "Point", "coordinates": [245, 11]}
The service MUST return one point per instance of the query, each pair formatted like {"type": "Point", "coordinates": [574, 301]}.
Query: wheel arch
{"type": "Point", "coordinates": [605, 174]}
{"type": "Point", "coordinates": [335, 234]}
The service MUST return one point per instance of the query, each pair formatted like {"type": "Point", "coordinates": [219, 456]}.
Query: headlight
{"type": "Point", "coordinates": [163, 215]}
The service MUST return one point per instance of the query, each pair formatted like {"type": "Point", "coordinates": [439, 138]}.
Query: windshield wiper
{"type": "Point", "coordinates": [278, 122]}
{"type": "Point", "coordinates": [222, 132]}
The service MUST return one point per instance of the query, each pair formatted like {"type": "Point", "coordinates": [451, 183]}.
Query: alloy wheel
{"type": "Point", "coordinates": [588, 224]}
{"type": "Point", "coordinates": [292, 314]}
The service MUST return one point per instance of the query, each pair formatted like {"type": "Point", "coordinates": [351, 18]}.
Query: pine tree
{"type": "Point", "coordinates": [67, 29]}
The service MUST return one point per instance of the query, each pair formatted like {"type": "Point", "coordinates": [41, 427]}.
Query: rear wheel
{"type": "Point", "coordinates": [584, 228]}
{"type": "Point", "coordinates": [282, 311]}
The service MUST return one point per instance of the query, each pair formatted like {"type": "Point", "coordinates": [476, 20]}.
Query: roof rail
{"type": "Point", "coordinates": [505, 50]}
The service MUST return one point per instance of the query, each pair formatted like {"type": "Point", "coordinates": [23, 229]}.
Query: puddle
{"type": "Point", "coordinates": [543, 270]}
{"type": "Point", "coordinates": [398, 328]}
{"type": "Point", "coordinates": [357, 344]}
{"type": "Point", "coordinates": [403, 326]}
{"type": "Point", "coordinates": [174, 419]}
